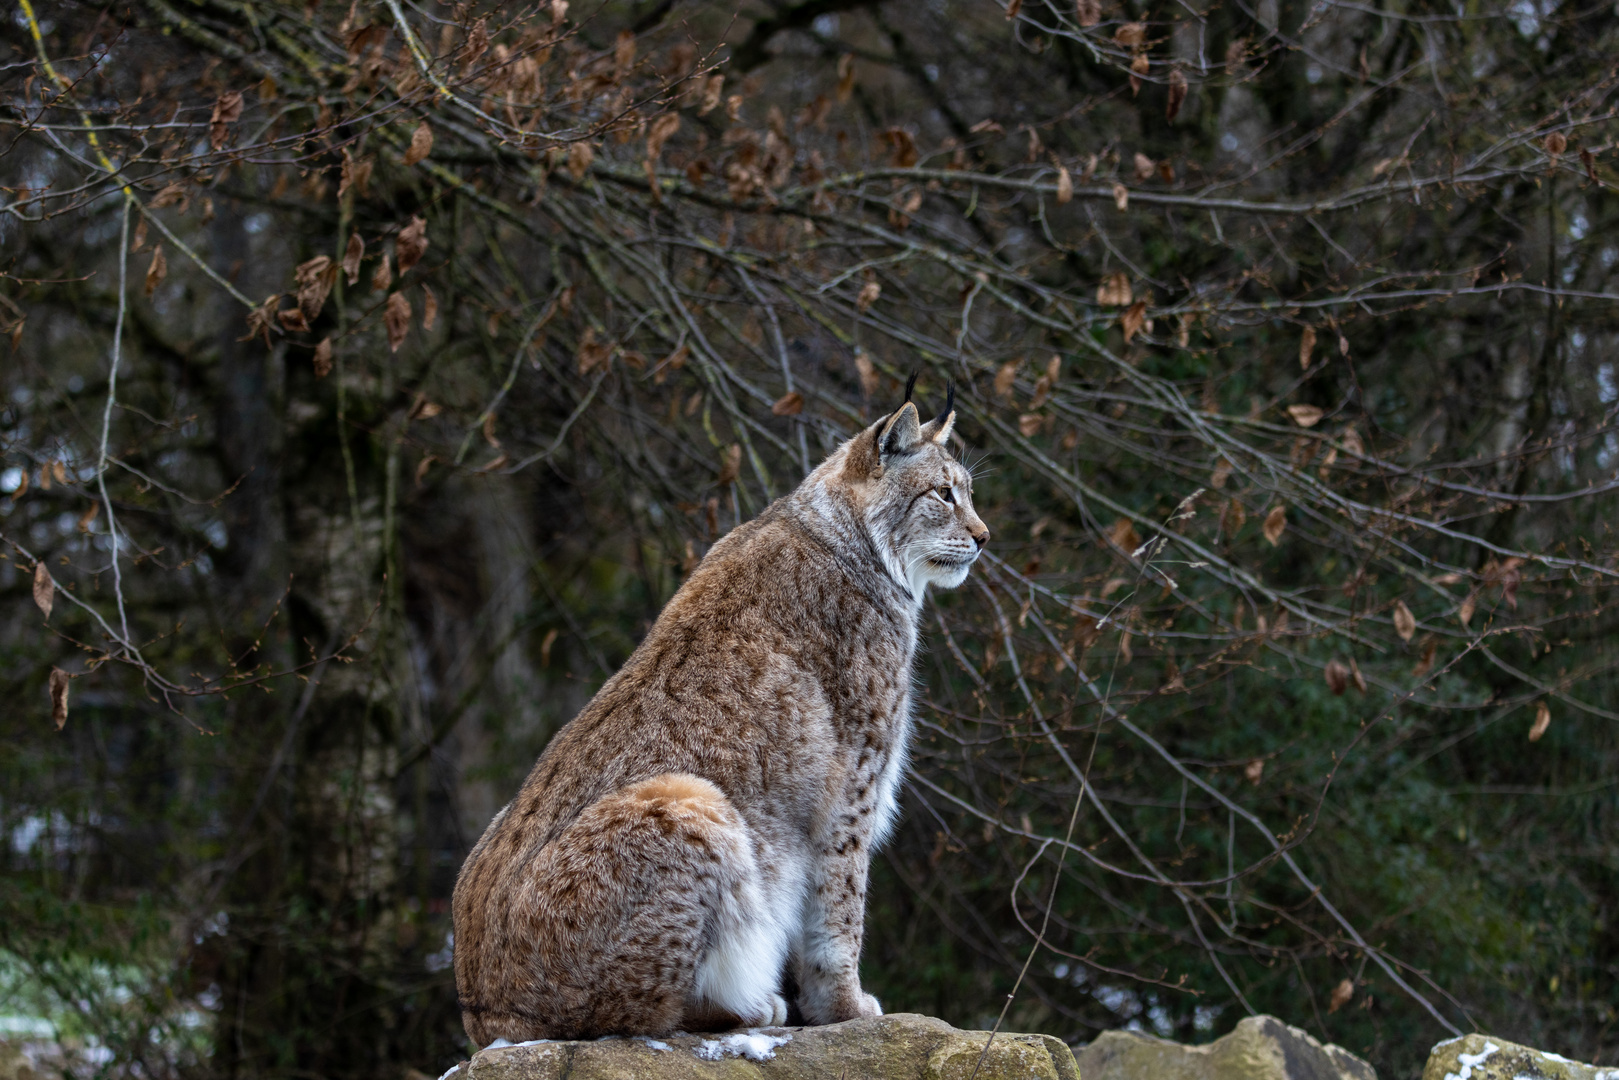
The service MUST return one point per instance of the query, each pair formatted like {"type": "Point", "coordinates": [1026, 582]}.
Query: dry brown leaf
{"type": "Point", "coordinates": [227, 110]}
{"type": "Point", "coordinates": [789, 404]}
{"type": "Point", "coordinates": [1589, 160]}
{"type": "Point", "coordinates": [1177, 94]}
{"type": "Point", "coordinates": [1138, 68]}
{"type": "Point", "coordinates": [171, 194]}
{"type": "Point", "coordinates": [429, 308]}
{"type": "Point", "coordinates": [1556, 143]}
{"type": "Point", "coordinates": [22, 488]}
{"type": "Point", "coordinates": [868, 373]}
{"type": "Point", "coordinates": [1464, 614]}
{"type": "Point", "coordinates": [580, 155]}
{"type": "Point", "coordinates": [138, 241]}
{"type": "Point", "coordinates": [1306, 345]}
{"type": "Point", "coordinates": [59, 470]}
{"type": "Point", "coordinates": [1088, 12]}
{"type": "Point", "coordinates": [1405, 624]}
{"type": "Point", "coordinates": [1425, 663]}
{"type": "Point", "coordinates": [1065, 186]}
{"type": "Point", "coordinates": [1543, 720]}
{"type": "Point", "coordinates": [1222, 473]}
{"type": "Point", "coordinates": [592, 354]}
{"type": "Point", "coordinates": [1132, 319]}
{"type": "Point", "coordinates": [1114, 291]}
{"type": "Point", "coordinates": [87, 519]}
{"type": "Point", "coordinates": [315, 280]}
{"type": "Point", "coordinates": [1355, 676]}
{"type": "Point", "coordinates": [323, 358]}
{"type": "Point", "coordinates": [356, 174]}
{"type": "Point", "coordinates": [396, 317]}
{"type": "Point", "coordinates": [1123, 535]}
{"type": "Point", "coordinates": [1121, 196]}
{"type": "Point", "coordinates": [411, 244]}
{"type": "Point", "coordinates": [712, 92]}
{"type": "Point", "coordinates": [1351, 440]}
{"type": "Point", "coordinates": [1028, 424]}
{"type": "Point", "coordinates": [1275, 524]}
{"type": "Point", "coordinates": [1342, 994]}
{"type": "Point", "coordinates": [423, 409]}
{"type": "Point", "coordinates": [1144, 166]}
{"type": "Point", "coordinates": [58, 687]}
{"type": "Point", "coordinates": [1337, 676]}
{"type": "Point", "coordinates": [658, 134]}
{"type": "Point", "coordinates": [383, 275]}
{"type": "Point", "coordinates": [1005, 377]}
{"type": "Point", "coordinates": [157, 270]}
{"type": "Point", "coordinates": [730, 465]}
{"type": "Point", "coordinates": [261, 318]}
{"type": "Point", "coordinates": [1255, 771]}
{"type": "Point", "coordinates": [44, 589]}
{"type": "Point", "coordinates": [292, 320]}
{"type": "Point", "coordinates": [1234, 517]}
{"type": "Point", "coordinates": [421, 144]}
{"type": "Point", "coordinates": [1305, 415]}
{"type": "Point", "coordinates": [422, 467]}
{"type": "Point", "coordinates": [1125, 653]}
{"type": "Point", "coordinates": [352, 254]}
{"type": "Point", "coordinates": [1131, 34]}
{"type": "Point", "coordinates": [868, 295]}
{"type": "Point", "coordinates": [1012, 9]}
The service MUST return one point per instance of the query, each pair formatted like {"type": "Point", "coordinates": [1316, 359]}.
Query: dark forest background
{"type": "Point", "coordinates": [373, 373]}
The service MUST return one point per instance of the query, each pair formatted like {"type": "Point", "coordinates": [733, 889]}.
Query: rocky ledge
{"type": "Point", "coordinates": [901, 1045]}
{"type": "Point", "coordinates": [922, 1048]}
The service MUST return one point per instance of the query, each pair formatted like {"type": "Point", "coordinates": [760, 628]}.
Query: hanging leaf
{"type": "Point", "coordinates": [429, 308]}
{"type": "Point", "coordinates": [383, 275]}
{"type": "Point", "coordinates": [1556, 143]}
{"type": "Point", "coordinates": [1133, 318]}
{"type": "Point", "coordinates": [58, 686]}
{"type": "Point", "coordinates": [411, 244]}
{"type": "Point", "coordinates": [1306, 344]}
{"type": "Point", "coordinates": [227, 110]}
{"type": "Point", "coordinates": [1342, 994]}
{"type": "Point", "coordinates": [1465, 613]}
{"type": "Point", "coordinates": [396, 317]}
{"type": "Point", "coordinates": [1012, 9]}
{"type": "Point", "coordinates": [1123, 535]}
{"type": "Point", "coordinates": [87, 519]}
{"type": "Point", "coordinates": [356, 174]}
{"type": "Point", "coordinates": [323, 358]}
{"type": "Point", "coordinates": [580, 155]}
{"type": "Point", "coordinates": [352, 254]}
{"type": "Point", "coordinates": [1425, 664]}
{"type": "Point", "coordinates": [868, 295]}
{"type": "Point", "coordinates": [421, 144]}
{"type": "Point", "coordinates": [1355, 676]}
{"type": "Point", "coordinates": [1234, 517]}
{"type": "Point", "coordinates": [157, 270]}
{"type": "Point", "coordinates": [1255, 771]}
{"type": "Point", "coordinates": [1222, 473]}
{"type": "Point", "coordinates": [868, 373]}
{"type": "Point", "coordinates": [1177, 94]}
{"type": "Point", "coordinates": [1144, 167]}
{"type": "Point", "coordinates": [1543, 720]}
{"type": "Point", "coordinates": [1114, 291]}
{"type": "Point", "coordinates": [715, 88]}
{"type": "Point", "coordinates": [730, 465]}
{"type": "Point", "coordinates": [1131, 34]}
{"type": "Point", "coordinates": [1065, 187]}
{"type": "Point", "coordinates": [789, 404]}
{"type": "Point", "coordinates": [261, 319]}
{"type": "Point", "coordinates": [1029, 424]}
{"type": "Point", "coordinates": [1337, 676]}
{"type": "Point", "coordinates": [44, 588]}
{"type": "Point", "coordinates": [1121, 196]}
{"type": "Point", "coordinates": [1405, 624]}
{"type": "Point", "coordinates": [292, 320]}
{"type": "Point", "coordinates": [1305, 415]}
{"type": "Point", "coordinates": [315, 280]}
{"type": "Point", "coordinates": [1138, 68]}
{"type": "Point", "coordinates": [1088, 12]}
{"type": "Point", "coordinates": [1275, 524]}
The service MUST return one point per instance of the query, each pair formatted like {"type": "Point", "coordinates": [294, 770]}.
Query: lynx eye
{"type": "Point", "coordinates": [945, 493]}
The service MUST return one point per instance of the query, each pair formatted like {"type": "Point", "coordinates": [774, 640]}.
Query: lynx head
{"type": "Point", "coordinates": [914, 496]}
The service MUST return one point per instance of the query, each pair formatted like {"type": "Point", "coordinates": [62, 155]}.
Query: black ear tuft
{"type": "Point", "coordinates": [949, 403]}
{"type": "Point", "coordinates": [910, 385]}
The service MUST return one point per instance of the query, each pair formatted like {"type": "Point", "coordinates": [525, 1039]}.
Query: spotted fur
{"type": "Point", "coordinates": [699, 835]}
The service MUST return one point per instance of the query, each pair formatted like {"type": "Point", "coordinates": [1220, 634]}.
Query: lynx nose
{"type": "Point", "coordinates": [981, 536]}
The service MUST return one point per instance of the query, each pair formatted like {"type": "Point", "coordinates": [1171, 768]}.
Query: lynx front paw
{"type": "Point", "coordinates": [868, 1005]}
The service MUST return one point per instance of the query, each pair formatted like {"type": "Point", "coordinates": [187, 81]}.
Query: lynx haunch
{"type": "Point", "coordinates": [697, 839]}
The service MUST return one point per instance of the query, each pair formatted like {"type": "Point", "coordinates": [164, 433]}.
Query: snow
{"type": "Point", "coordinates": [501, 1044]}
{"type": "Point", "coordinates": [655, 1044]}
{"type": "Point", "coordinates": [750, 1044]}
{"type": "Point", "coordinates": [1471, 1061]}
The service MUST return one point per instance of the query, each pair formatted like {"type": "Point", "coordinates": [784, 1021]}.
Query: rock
{"type": "Point", "coordinates": [881, 1048]}
{"type": "Point", "coordinates": [1483, 1057]}
{"type": "Point", "coordinates": [1259, 1048]}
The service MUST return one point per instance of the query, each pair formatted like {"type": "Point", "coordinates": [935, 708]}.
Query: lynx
{"type": "Point", "coordinates": [696, 841]}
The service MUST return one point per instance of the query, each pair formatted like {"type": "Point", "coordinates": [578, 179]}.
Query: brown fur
{"type": "Point", "coordinates": [708, 818]}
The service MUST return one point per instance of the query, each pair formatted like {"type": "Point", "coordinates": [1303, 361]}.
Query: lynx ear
{"type": "Point", "coordinates": [938, 429]}
{"type": "Point", "coordinates": [902, 434]}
